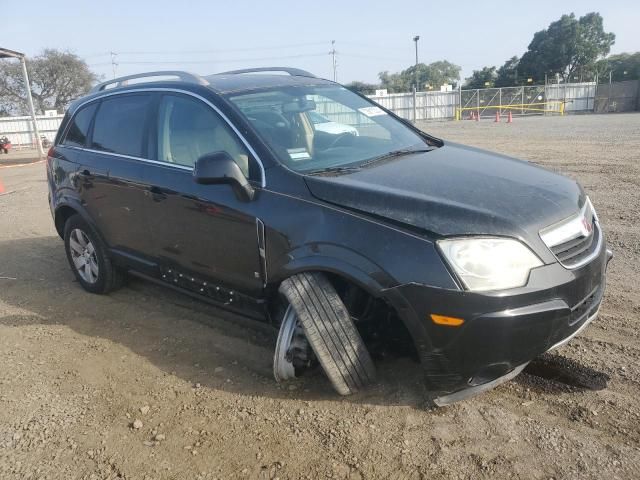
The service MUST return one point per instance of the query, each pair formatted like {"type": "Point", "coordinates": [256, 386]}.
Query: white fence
{"type": "Point", "coordinates": [20, 129]}
{"type": "Point", "coordinates": [577, 98]}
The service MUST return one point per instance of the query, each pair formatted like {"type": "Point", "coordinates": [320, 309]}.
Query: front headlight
{"type": "Point", "coordinates": [489, 263]}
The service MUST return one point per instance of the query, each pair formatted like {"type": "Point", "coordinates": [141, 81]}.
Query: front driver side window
{"type": "Point", "coordinates": [189, 129]}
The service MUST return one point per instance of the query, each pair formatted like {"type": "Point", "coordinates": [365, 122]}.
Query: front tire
{"type": "Point", "coordinates": [89, 258]}
{"type": "Point", "coordinates": [330, 331]}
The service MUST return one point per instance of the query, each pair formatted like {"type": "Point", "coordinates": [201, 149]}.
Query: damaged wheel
{"type": "Point", "coordinates": [326, 324]}
{"type": "Point", "coordinates": [293, 352]}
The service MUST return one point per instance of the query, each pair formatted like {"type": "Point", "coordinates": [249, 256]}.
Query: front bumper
{"type": "Point", "coordinates": [503, 331]}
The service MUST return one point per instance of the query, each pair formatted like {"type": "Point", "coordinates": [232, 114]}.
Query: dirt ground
{"type": "Point", "coordinates": [77, 371]}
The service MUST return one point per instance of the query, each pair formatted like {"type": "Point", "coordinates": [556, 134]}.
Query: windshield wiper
{"type": "Point", "coordinates": [330, 170]}
{"type": "Point", "coordinates": [391, 154]}
{"type": "Point", "coordinates": [395, 153]}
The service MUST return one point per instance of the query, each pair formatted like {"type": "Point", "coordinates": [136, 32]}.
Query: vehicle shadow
{"type": "Point", "coordinates": [555, 373]}
{"type": "Point", "coordinates": [181, 336]}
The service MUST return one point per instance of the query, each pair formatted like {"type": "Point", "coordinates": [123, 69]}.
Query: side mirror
{"type": "Point", "coordinates": [218, 167]}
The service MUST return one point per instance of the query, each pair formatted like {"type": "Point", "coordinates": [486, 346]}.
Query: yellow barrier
{"type": "Point", "coordinates": [524, 107]}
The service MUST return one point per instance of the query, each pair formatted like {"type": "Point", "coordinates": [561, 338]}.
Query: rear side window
{"type": "Point", "coordinates": [120, 124]}
{"type": "Point", "coordinates": [79, 127]}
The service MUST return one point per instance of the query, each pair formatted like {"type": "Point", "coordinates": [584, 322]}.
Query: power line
{"type": "Point", "coordinates": [216, 60]}
{"type": "Point", "coordinates": [206, 51]}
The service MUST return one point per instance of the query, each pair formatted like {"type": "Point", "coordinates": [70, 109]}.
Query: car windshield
{"type": "Point", "coordinates": [354, 131]}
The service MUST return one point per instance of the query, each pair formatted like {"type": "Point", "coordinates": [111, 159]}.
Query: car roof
{"type": "Point", "coordinates": [221, 83]}
{"type": "Point", "coordinates": [235, 83]}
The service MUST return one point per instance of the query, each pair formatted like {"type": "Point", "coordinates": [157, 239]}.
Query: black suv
{"type": "Point", "coordinates": [368, 237]}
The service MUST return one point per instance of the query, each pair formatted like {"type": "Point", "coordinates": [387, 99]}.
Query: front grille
{"type": "Point", "coordinates": [574, 251]}
{"type": "Point", "coordinates": [576, 240]}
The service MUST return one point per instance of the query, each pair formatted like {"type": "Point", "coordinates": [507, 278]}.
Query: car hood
{"type": "Point", "coordinates": [456, 190]}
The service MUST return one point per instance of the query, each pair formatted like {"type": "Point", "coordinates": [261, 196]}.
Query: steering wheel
{"type": "Point", "coordinates": [340, 139]}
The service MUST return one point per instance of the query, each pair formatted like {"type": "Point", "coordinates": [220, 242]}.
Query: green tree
{"type": "Point", "coordinates": [567, 47]}
{"type": "Point", "coordinates": [56, 79]}
{"type": "Point", "coordinates": [623, 66]}
{"type": "Point", "coordinates": [507, 74]}
{"type": "Point", "coordinates": [484, 78]}
{"type": "Point", "coordinates": [431, 76]}
{"type": "Point", "coordinates": [362, 87]}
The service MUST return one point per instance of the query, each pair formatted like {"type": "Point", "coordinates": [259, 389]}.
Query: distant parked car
{"type": "Point", "coordinates": [5, 145]}
{"type": "Point", "coordinates": [323, 124]}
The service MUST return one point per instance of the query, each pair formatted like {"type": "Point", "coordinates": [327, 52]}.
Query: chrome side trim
{"type": "Point", "coordinates": [263, 180]}
{"type": "Point", "coordinates": [564, 341]}
{"type": "Point", "coordinates": [473, 391]}
{"type": "Point", "coordinates": [130, 157]}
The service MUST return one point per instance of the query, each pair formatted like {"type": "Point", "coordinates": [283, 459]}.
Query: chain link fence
{"type": "Point", "coordinates": [569, 98]}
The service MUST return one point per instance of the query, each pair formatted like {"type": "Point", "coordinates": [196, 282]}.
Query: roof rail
{"type": "Point", "coordinates": [291, 71]}
{"type": "Point", "coordinates": [122, 81]}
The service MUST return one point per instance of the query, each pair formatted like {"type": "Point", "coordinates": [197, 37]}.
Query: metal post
{"type": "Point", "coordinates": [609, 93]}
{"type": "Point", "coordinates": [415, 39]}
{"type": "Point", "coordinates": [31, 109]}
{"type": "Point", "coordinates": [500, 100]}
{"type": "Point", "coordinates": [546, 96]}
{"type": "Point", "coordinates": [415, 87]}
{"type": "Point", "coordinates": [595, 94]}
{"type": "Point", "coordinates": [415, 111]}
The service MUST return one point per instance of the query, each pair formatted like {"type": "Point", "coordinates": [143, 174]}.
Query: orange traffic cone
{"type": "Point", "coordinates": [510, 118]}
{"type": "Point", "coordinates": [1, 187]}
{"type": "Point", "coordinates": [497, 120]}
{"type": "Point", "coordinates": [477, 116]}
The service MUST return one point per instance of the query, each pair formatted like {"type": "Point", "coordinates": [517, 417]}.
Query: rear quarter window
{"type": "Point", "coordinates": [79, 127]}
{"type": "Point", "coordinates": [120, 124]}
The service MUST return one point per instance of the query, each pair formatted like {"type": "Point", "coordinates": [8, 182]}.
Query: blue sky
{"type": "Point", "coordinates": [209, 36]}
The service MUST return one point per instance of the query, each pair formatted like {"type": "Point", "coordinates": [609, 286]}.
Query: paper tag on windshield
{"type": "Point", "coordinates": [298, 154]}
{"type": "Point", "coordinates": [372, 111]}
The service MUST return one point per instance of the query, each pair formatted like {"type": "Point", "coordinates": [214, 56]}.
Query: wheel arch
{"type": "Point", "coordinates": [62, 214]}
{"type": "Point", "coordinates": [375, 283]}
{"type": "Point", "coordinates": [367, 275]}
{"type": "Point", "coordinates": [67, 209]}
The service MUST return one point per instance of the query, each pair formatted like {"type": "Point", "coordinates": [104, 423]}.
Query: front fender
{"type": "Point", "coordinates": [334, 259]}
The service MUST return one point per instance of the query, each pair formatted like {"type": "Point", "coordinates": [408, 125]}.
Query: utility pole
{"type": "Point", "coordinates": [415, 39]}
{"type": "Point", "coordinates": [113, 63]}
{"type": "Point", "coordinates": [333, 59]}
